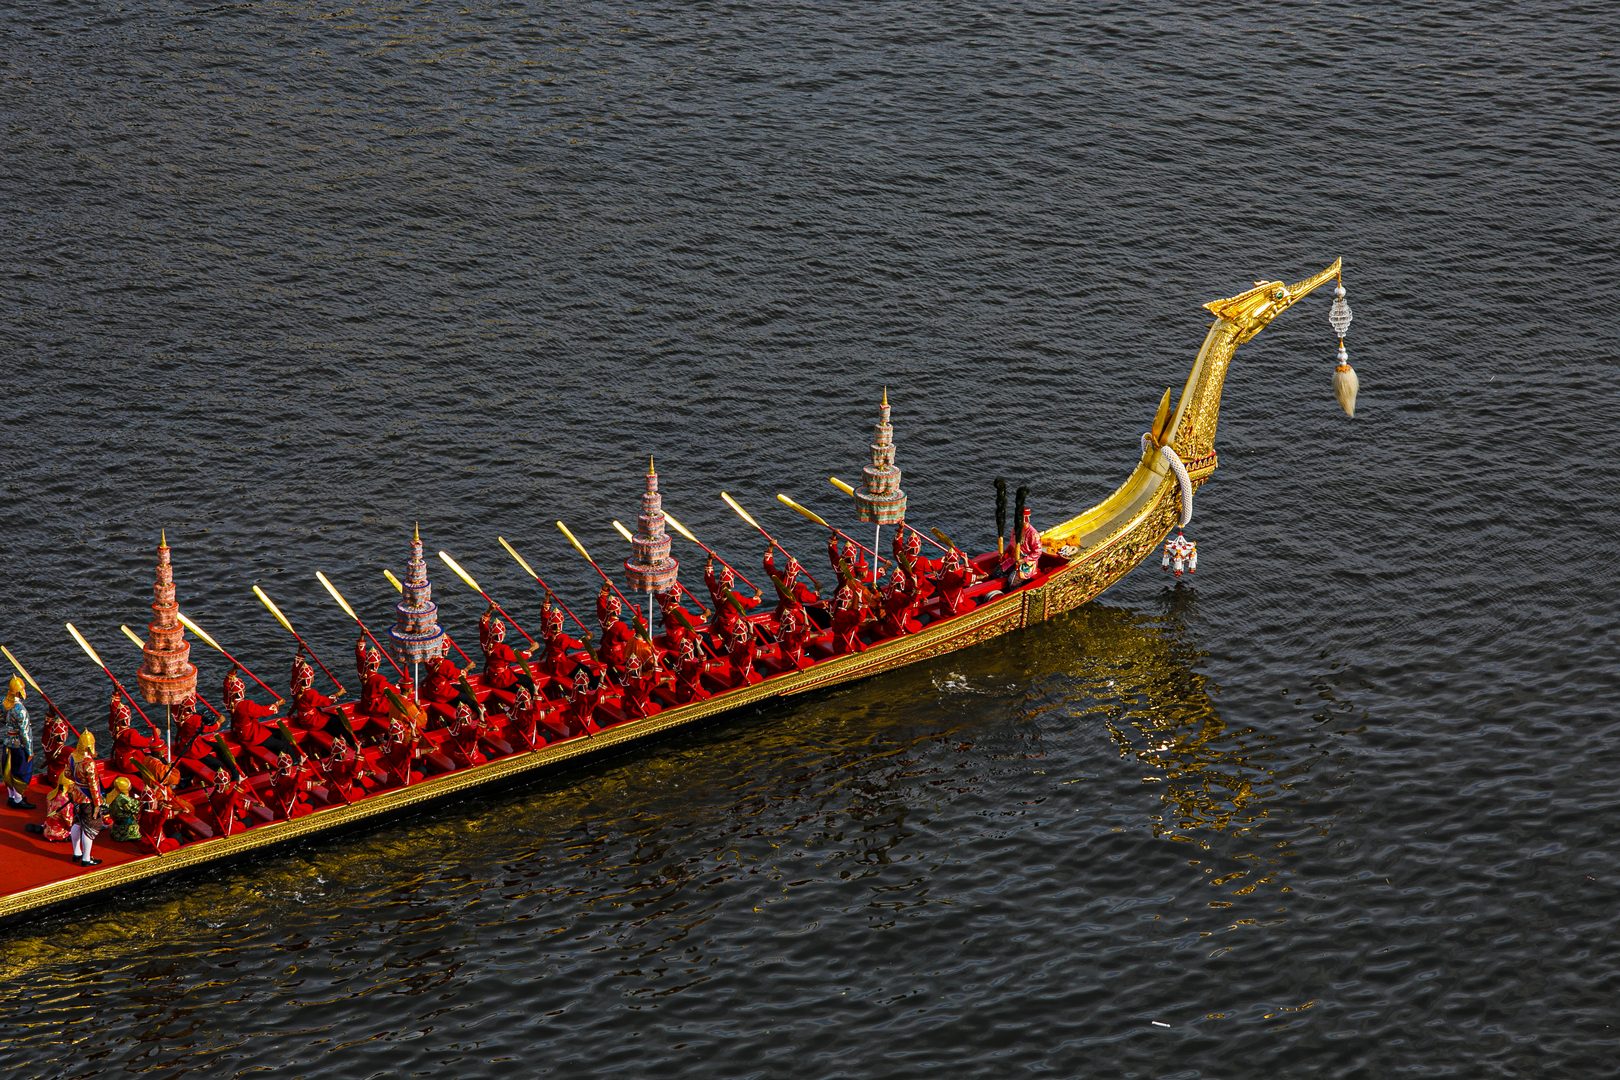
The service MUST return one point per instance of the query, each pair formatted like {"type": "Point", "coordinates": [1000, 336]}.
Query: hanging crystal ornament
{"type": "Point", "coordinates": [1345, 383]}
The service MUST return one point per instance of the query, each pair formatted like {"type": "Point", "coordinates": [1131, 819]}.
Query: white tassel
{"type": "Point", "coordinates": [1345, 384]}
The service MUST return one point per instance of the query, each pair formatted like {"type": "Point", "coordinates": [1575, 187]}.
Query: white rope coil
{"type": "Point", "coordinates": [1173, 459]}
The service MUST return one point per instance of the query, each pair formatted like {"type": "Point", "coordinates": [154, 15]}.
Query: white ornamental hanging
{"type": "Point", "coordinates": [1180, 555]}
{"type": "Point", "coordinates": [1345, 383]}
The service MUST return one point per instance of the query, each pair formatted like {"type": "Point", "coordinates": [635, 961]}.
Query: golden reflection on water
{"type": "Point", "coordinates": [1137, 674]}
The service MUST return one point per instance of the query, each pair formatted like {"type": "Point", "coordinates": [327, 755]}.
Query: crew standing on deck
{"type": "Point", "coordinates": [16, 745]}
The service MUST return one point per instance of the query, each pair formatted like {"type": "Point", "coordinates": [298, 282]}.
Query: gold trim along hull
{"type": "Point", "coordinates": [1112, 539]}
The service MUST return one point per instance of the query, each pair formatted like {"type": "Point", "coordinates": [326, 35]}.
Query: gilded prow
{"type": "Point", "coordinates": [1146, 503]}
{"type": "Point", "coordinates": [1237, 319]}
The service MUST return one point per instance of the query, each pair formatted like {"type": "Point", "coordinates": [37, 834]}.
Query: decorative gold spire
{"type": "Point", "coordinates": [650, 469]}
{"type": "Point", "coordinates": [163, 538]}
{"type": "Point", "coordinates": [417, 533]}
{"type": "Point", "coordinates": [885, 397]}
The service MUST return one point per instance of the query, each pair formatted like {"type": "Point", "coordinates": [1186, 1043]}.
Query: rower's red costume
{"type": "Point", "coordinates": [678, 624]}
{"type": "Point", "coordinates": [372, 708]}
{"type": "Point", "coordinates": [58, 740]}
{"type": "Point", "coordinates": [723, 588]}
{"type": "Point", "coordinates": [312, 710]}
{"type": "Point", "coordinates": [789, 590]}
{"type": "Point", "coordinates": [558, 662]}
{"type": "Point", "coordinates": [522, 720]}
{"type": "Point", "coordinates": [342, 769]}
{"type": "Point", "coordinates": [908, 555]}
{"type": "Point", "coordinates": [585, 693]}
{"type": "Point", "coordinates": [793, 634]}
{"type": "Point", "coordinates": [689, 673]}
{"type": "Point", "coordinates": [442, 685]}
{"type": "Point", "coordinates": [193, 739]}
{"type": "Point", "coordinates": [399, 753]}
{"type": "Point", "coordinates": [898, 603]}
{"type": "Point", "coordinates": [856, 562]}
{"type": "Point", "coordinates": [616, 636]}
{"type": "Point", "coordinates": [501, 671]}
{"type": "Point", "coordinates": [158, 805]}
{"type": "Point", "coordinates": [225, 801]}
{"type": "Point", "coordinates": [464, 730]}
{"type": "Point", "coordinates": [128, 745]}
{"type": "Point", "coordinates": [849, 612]}
{"type": "Point", "coordinates": [287, 786]}
{"type": "Point", "coordinates": [641, 678]}
{"type": "Point", "coordinates": [956, 576]}
{"type": "Point", "coordinates": [248, 729]}
{"type": "Point", "coordinates": [740, 650]}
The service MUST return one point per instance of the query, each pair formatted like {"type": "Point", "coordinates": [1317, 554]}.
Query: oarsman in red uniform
{"type": "Point", "coordinates": [226, 801]}
{"type": "Point", "coordinates": [616, 635]}
{"type": "Point", "coordinates": [585, 694]}
{"type": "Point", "coordinates": [249, 731]}
{"type": "Point", "coordinates": [158, 805]}
{"type": "Point", "coordinates": [849, 613]}
{"type": "Point", "coordinates": [443, 684]}
{"type": "Point", "coordinates": [399, 753]}
{"type": "Point", "coordinates": [740, 651]}
{"type": "Point", "coordinates": [193, 739]}
{"type": "Point", "coordinates": [793, 634]}
{"type": "Point", "coordinates": [522, 720]}
{"type": "Point", "coordinates": [57, 743]}
{"type": "Point", "coordinates": [678, 624]}
{"type": "Point", "coordinates": [689, 671]}
{"type": "Point", "coordinates": [502, 670]}
{"type": "Point", "coordinates": [641, 678]}
{"type": "Point", "coordinates": [788, 586]}
{"type": "Point", "coordinates": [287, 785]}
{"type": "Point", "coordinates": [723, 589]}
{"type": "Point", "coordinates": [897, 603]}
{"type": "Point", "coordinates": [956, 576]}
{"type": "Point", "coordinates": [908, 557]}
{"type": "Point", "coordinates": [373, 703]}
{"type": "Point", "coordinates": [128, 745]}
{"type": "Point", "coordinates": [312, 710]}
{"type": "Point", "coordinates": [342, 769]}
{"type": "Point", "coordinates": [789, 590]}
{"type": "Point", "coordinates": [559, 661]}
{"type": "Point", "coordinates": [464, 730]}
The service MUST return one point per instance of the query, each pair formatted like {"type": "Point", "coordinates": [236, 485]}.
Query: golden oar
{"type": "Point", "coordinates": [819, 520]}
{"type": "Point", "coordinates": [768, 537]}
{"type": "Point", "coordinates": [400, 588]}
{"type": "Point", "coordinates": [527, 569]}
{"type": "Point", "coordinates": [349, 611]}
{"type": "Point", "coordinates": [141, 644]}
{"type": "Point", "coordinates": [473, 585]}
{"type": "Point", "coordinates": [282, 619]}
{"type": "Point", "coordinates": [30, 680]}
{"type": "Point", "coordinates": [96, 657]}
{"type": "Point", "coordinates": [939, 534]}
{"type": "Point", "coordinates": [217, 647]}
{"type": "Point", "coordinates": [669, 519]}
{"type": "Point", "coordinates": [642, 629]}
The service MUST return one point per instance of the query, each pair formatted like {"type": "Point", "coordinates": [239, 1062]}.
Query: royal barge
{"type": "Point", "coordinates": [240, 778]}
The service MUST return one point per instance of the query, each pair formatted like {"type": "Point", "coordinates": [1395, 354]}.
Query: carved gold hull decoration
{"type": "Point", "coordinates": [1112, 537]}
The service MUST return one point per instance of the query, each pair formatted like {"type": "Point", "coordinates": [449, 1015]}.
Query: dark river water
{"type": "Point", "coordinates": [285, 278]}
